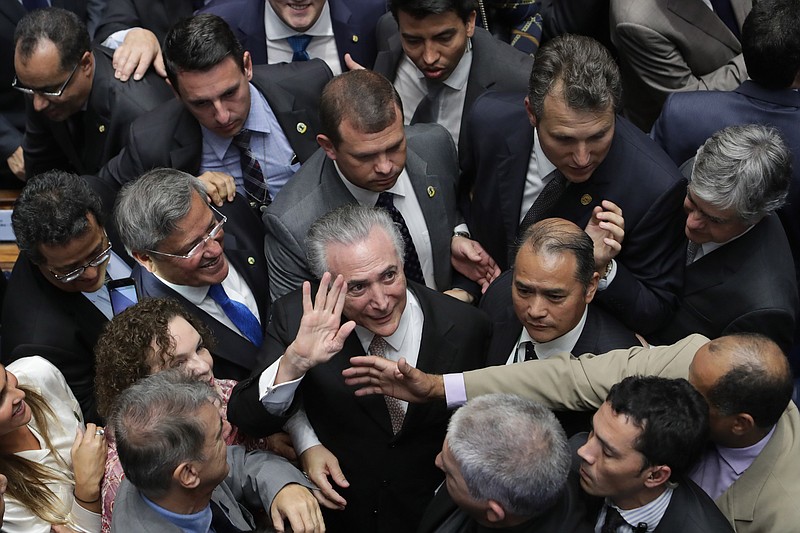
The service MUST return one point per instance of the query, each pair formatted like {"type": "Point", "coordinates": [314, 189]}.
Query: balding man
{"type": "Point", "coordinates": [752, 470]}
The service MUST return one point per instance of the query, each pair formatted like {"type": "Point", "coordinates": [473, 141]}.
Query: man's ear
{"type": "Point", "coordinates": [591, 289]}
{"type": "Point", "coordinates": [247, 63]}
{"type": "Point", "coordinates": [495, 512]}
{"type": "Point", "coordinates": [743, 423]}
{"type": "Point", "coordinates": [186, 475]}
{"type": "Point", "coordinates": [529, 110]}
{"type": "Point", "coordinates": [327, 144]}
{"type": "Point", "coordinates": [146, 260]}
{"type": "Point", "coordinates": [658, 476]}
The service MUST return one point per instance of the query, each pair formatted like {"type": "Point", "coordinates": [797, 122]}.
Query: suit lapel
{"type": "Point", "coordinates": [512, 165]}
{"type": "Point", "coordinates": [386, 61]}
{"type": "Point", "coordinates": [433, 209]}
{"type": "Point", "coordinates": [187, 155]}
{"type": "Point", "coordinates": [699, 15]}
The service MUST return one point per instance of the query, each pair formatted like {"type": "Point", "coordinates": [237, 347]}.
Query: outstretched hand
{"type": "Point", "coordinates": [321, 334]}
{"type": "Point", "coordinates": [377, 375]}
{"type": "Point", "coordinates": [470, 259]}
{"type": "Point", "coordinates": [607, 230]}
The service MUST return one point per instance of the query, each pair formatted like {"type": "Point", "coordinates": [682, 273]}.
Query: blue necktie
{"type": "Point", "coordinates": [239, 314]}
{"type": "Point", "coordinates": [299, 43]}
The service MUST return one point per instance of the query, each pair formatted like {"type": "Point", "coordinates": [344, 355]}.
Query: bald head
{"type": "Point", "coordinates": [556, 236]}
{"type": "Point", "coordinates": [754, 377]}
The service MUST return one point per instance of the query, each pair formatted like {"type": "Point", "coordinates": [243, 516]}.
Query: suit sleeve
{"type": "Point", "coordinates": [564, 382]}
{"type": "Point", "coordinates": [777, 324]}
{"type": "Point", "coordinates": [10, 138]}
{"type": "Point", "coordinates": [41, 150]}
{"type": "Point", "coordinates": [119, 15]}
{"type": "Point", "coordinates": [127, 164]}
{"type": "Point", "coordinates": [286, 259]}
{"type": "Point", "coordinates": [662, 67]}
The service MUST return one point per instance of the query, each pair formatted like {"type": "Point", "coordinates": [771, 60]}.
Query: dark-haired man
{"type": "Point", "coordinates": [236, 135]}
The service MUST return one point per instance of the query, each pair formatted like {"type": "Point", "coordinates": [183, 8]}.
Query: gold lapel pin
{"type": "Point", "coordinates": [431, 191]}
{"type": "Point", "coordinates": [301, 127]}
{"type": "Point", "coordinates": [586, 199]}
{"type": "Point", "coordinates": [101, 128]}
{"type": "Point", "coordinates": [251, 260]}
{"type": "Point", "coordinates": [355, 38]}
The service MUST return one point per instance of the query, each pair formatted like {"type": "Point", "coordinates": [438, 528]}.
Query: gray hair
{"type": "Point", "coordinates": [348, 224]}
{"type": "Point", "coordinates": [511, 450]}
{"type": "Point", "coordinates": [747, 168]}
{"type": "Point", "coordinates": [148, 209]}
{"type": "Point", "coordinates": [589, 78]}
{"type": "Point", "coordinates": [156, 428]}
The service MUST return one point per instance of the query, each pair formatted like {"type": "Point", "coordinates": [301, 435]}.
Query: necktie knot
{"type": "Point", "coordinates": [299, 43]}
{"type": "Point", "coordinates": [242, 139]}
{"type": "Point", "coordinates": [613, 520]}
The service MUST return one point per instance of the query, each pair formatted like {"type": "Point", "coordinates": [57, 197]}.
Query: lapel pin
{"type": "Point", "coordinates": [431, 191]}
{"type": "Point", "coordinates": [251, 260]}
{"type": "Point", "coordinates": [101, 128]}
{"type": "Point", "coordinates": [355, 38]}
{"type": "Point", "coordinates": [301, 127]}
{"type": "Point", "coordinates": [586, 199]}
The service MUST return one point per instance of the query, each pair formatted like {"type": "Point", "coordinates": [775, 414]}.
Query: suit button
{"type": "Point", "coordinates": [385, 483]}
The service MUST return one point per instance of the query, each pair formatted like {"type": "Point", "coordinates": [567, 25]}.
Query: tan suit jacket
{"type": "Point", "coordinates": [763, 500]}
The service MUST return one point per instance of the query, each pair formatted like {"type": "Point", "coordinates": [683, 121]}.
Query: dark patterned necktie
{"type": "Point", "coordinates": [547, 198]}
{"type": "Point", "coordinates": [613, 520]}
{"type": "Point", "coordinates": [254, 183]}
{"type": "Point", "coordinates": [241, 316]}
{"type": "Point", "coordinates": [530, 352]}
{"type": "Point", "coordinates": [691, 252]}
{"type": "Point", "coordinates": [396, 413]}
{"type": "Point", "coordinates": [299, 43]}
{"type": "Point", "coordinates": [427, 111]}
{"type": "Point", "coordinates": [411, 264]}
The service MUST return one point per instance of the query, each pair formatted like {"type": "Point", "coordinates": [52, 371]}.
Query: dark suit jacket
{"type": "Point", "coordinates": [689, 118]}
{"type": "Point", "coordinates": [392, 477]}
{"type": "Point", "coordinates": [636, 175]}
{"type": "Point", "coordinates": [567, 515]}
{"type": "Point", "coordinates": [157, 16]}
{"type": "Point", "coordinates": [234, 355]}
{"type": "Point", "coordinates": [316, 189]}
{"type": "Point", "coordinates": [170, 136]}
{"type": "Point", "coordinates": [690, 510]}
{"type": "Point", "coordinates": [495, 66]}
{"type": "Point", "coordinates": [747, 285]}
{"type": "Point", "coordinates": [111, 107]}
{"type": "Point", "coordinates": [353, 21]}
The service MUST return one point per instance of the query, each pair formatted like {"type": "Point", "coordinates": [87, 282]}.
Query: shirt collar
{"type": "Point", "coordinates": [257, 120]}
{"type": "Point", "coordinates": [190, 523]}
{"type": "Point", "coordinates": [367, 197]}
{"type": "Point", "coordinates": [545, 166]}
{"type": "Point", "coordinates": [276, 29]}
{"type": "Point", "coordinates": [194, 294]}
{"type": "Point", "coordinates": [711, 246]}
{"type": "Point", "coordinates": [457, 80]}
{"type": "Point", "coordinates": [395, 340]}
{"type": "Point", "coordinates": [739, 459]}
{"type": "Point", "coordinates": [650, 514]}
{"type": "Point", "coordinates": [564, 343]}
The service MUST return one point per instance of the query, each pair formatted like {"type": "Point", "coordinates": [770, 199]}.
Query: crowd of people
{"type": "Point", "coordinates": [445, 266]}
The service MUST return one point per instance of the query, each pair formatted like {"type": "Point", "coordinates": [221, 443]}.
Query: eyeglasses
{"type": "Point", "coordinates": [101, 258]}
{"type": "Point", "coordinates": [15, 84]}
{"type": "Point", "coordinates": [202, 244]}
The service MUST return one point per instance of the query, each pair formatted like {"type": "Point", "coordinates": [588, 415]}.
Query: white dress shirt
{"type": "Point", "coordinates": [322, 45]}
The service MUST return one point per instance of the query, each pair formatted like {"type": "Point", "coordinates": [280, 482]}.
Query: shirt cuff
{"type": "Point", "coordinates": [303, 435]}
{"type": "Point", "coordinates": [85, 520]}
{"type": "Point", "coordinates": [604, 283]}
{"type": "Point", "coordinates": [116, 39]}
{"type": "Point", "coordinates": [455, 391]}
{"type": "Point", "coordinates": [276, 399]}
{"type": "Point", "coordinates": [462, 228]}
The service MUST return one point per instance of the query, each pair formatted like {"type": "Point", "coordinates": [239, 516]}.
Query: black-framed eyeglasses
{"type": "Point", "coordinates": [201, 245]}
{"type": "Point", "coordinates": [15, 84]}
{"type": "Point", "coordinates": [101, 258]}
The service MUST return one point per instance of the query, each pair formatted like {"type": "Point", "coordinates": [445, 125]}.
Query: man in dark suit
{"type": "Point", "coordinates": [645, 438]}
{"type": "Point", "coordinates": [770, 40]}
{"type": "Point", "coordinates": [211, 261]}
{"type": "Point", "coordinates": [367, 157]}
{"type": "Point", "coordinates": [594, 159]}
{"type": "Point", "coordinates": [386, 452]}
{"type": "Point", "coordinates": [439, 62]}
{"type": "Point", "coordinates": [506, 463]}
{"type": "Point", "coordinates": [334, 28]}
{"type": "Point", "coordinates": [78, 114]}
{"type": "Point", "coordinates": [57, 303]}
{"type": "Point", "coordinates": [237, 136]}
{"type": "Point", "coordinates": [739, 271]}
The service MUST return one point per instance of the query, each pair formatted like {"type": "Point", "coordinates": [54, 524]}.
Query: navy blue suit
{"type": "Point", "coordinates": [689, 118]}
{"type": "Point", "coordinates": [353, 21]}
{"type": "Point", "coordinates": [234, 356]}
{"type": "Point", "coordinates": [636, 175]}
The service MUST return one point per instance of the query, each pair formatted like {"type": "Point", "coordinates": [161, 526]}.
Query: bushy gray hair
{"type": "Point", "coordinates": [156, 427]}
{"type": "Point", "coordinates": [348, 224]}
{"type": "Point", "coordinates": [148, 209]}
{"type": "Point", "coordinates": [586, 73]}
{"type": "Point", "coordinates": [511, 450]}
{"type": "Point", "coordinates": [747, 168]}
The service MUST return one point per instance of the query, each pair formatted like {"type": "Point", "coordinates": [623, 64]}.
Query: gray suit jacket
{"type": "Point", "coordinates": [496, 65]}
{"type": "Point", "coordinates": [254, 480]}
{"type": "Point", "coordinates": [673, 45]}
{"type": "Point", "coordinates": [764, 499]}
{"type": "Point", "coordinates": [316, 189]}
